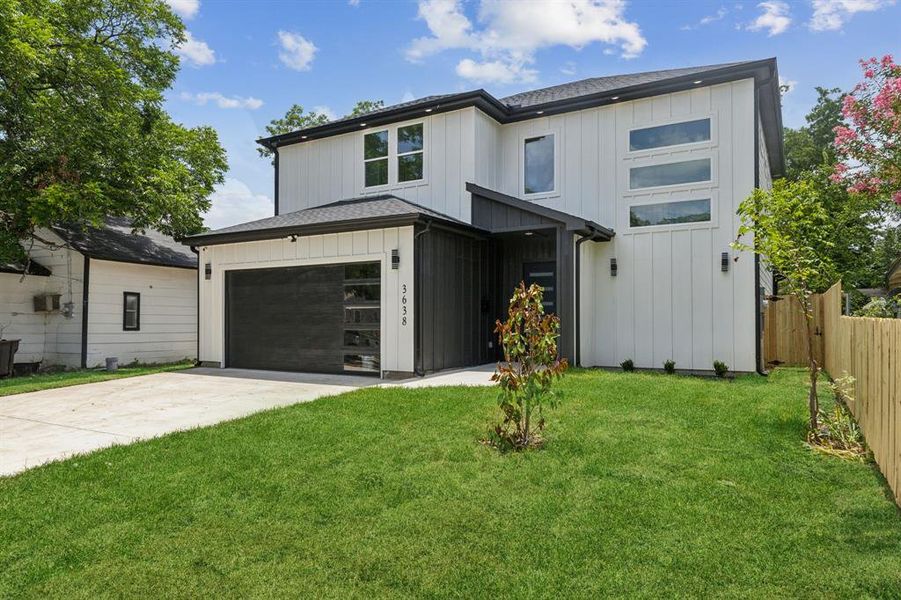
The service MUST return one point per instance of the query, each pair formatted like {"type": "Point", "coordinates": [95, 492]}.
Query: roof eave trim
{"type": "Point", "coordinates": [760, 70]}
{"type": "Point", "coordinates": [479, 98]}
{"type": "Point", "coordinates": [274, 233]}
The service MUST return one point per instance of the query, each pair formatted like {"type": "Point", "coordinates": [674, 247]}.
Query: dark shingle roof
{"type": "Point", "coordinates": [116, 242]}
{"type": "Point", "coordinates": [600, 85]}
{"type": "Point", "coordinates": [33, 268]}
{"type": "Point", "coordinates": [337, 216]}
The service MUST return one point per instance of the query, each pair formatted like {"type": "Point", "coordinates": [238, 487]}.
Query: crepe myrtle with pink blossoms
{"type": "Point", "coordinates": [869, 145]}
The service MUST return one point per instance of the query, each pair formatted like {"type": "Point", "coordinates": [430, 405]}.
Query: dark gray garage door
{"type": "Point", "coordinates": [318, 319]}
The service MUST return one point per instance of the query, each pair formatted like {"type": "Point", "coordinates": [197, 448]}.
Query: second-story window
{"type": "Point", "coordinates": [538, 164]}
{"type": "Point", "coordinates": [409, 152]}
{"type": "Point", "coordinates": [375, 158]}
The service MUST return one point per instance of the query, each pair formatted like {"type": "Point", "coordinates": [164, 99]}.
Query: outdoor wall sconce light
{"type": "Point", "coordinates": [208, 271]}
{"type": "Point", "coordinates": [724, 262]}
{"type": "Point", "coordinates": [613, 267]}
{"type": "Point", "coordinates": [395, 259]}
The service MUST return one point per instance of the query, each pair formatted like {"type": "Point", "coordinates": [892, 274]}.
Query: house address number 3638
{"type": "Point", "coordinates": [403, 304]}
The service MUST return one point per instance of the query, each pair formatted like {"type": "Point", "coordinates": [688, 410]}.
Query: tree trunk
{"type": "Point", "coordinates": [813, 403]}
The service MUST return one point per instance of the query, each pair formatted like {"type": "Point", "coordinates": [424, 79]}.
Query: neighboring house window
{"type": "Point", "coordinates": [375, 158]}
{"type": "Point", "coordinates": [670, 213]}
{"type": "Point", "coordinates": [675, 173]}
{"type": "Point", "coordinates": [131, 311]}
{"type": "Point", "coordinates": [538, 164]}
{"type": "Point", "coordinates": [410, 146]}
{"type": "Point", "coordinates": [674, 134]}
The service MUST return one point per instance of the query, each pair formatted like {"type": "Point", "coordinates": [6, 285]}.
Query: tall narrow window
{"type": "Point", "coordinates": [538, 165]}
{"type": "Point", "coordinates": [131, 311]}
{"type": "Point", "coordinates": [375, 158]}
{"type": "Point", "coordinates": [410, 145]}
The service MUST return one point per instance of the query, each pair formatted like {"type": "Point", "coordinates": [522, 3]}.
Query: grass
{"type": "Point", "coordinates": [47, 381]}
{"type": "Point", "coordinates": [650, 485]}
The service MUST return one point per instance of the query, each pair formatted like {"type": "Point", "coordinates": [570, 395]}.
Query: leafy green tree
{"type": "Point", "coordinates": [792, 230]}
{"type": "Point", "coordinates": [531, 365]}
{"type": "Point", "coordinates": [294, 120]}
{"type": "Point", "coordinates": [83, 134]}
{"type": "Point", "coordinates": [862, 222]}
{"type": "Point", "coordinates": [366, 106]}
{"type": "Point", "coordinates": [810, 146]}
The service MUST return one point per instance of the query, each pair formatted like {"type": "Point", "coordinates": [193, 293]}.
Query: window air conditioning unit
{"type": "Point", "coordinates": [46, 303]}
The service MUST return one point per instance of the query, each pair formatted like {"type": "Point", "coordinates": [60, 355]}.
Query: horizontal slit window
{"type": "Point", "coordinates": [676, 173]}
{"type": "Point", "coordinates": [362, 338]}
{"type": "Point", "coordinates": [363, 363]}
{"type": "Point", "coordinates": [670, 213]}
{"type": "Point", "coordinates": [675, 134]}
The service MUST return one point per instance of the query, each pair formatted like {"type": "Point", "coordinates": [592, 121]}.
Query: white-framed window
{"type": "Point", "coordinates": [539, 164]}
{"type": "Point", "coordinates": [674, 212]}
{"type": "Point", "coordinates": [665, 135]}
{"type": "Point", "coordinates": [666, 174]}
{"type": "Point", "coordinates": [395, 155]}
{"type": "Point", "coordinates": [410, 152]}
{"type": "Point", "coordinates": [375, 158]}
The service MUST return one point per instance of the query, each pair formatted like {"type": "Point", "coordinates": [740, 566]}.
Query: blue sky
{"type": "Point", "coordinates": [247, 62]}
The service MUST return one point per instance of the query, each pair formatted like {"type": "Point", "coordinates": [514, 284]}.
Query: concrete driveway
{"type": "Point", "coordinates": [38, 427]}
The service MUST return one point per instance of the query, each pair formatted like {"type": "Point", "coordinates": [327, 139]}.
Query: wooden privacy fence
{"type": "Point", "coordinates": [785, 331]}
{"type": "Point", "coordinates": [869, 350]}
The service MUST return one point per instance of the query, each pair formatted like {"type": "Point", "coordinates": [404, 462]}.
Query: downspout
{"type": "Point", "coordinates": [758, 324]}
{"type": "Point", "coordinates": [85, 288]}
{"type": "Point", "coordinates": [197, 314]}
{"type": "Point", "coordinates": [275, 191]}
{"type": "Point", "coordinates": [418, 369]}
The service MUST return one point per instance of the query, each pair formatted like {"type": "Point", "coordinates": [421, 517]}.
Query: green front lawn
{"type": "Point", "coordinates": [46, 381]}
{"type": "Point", "coordinates": [650, 485]}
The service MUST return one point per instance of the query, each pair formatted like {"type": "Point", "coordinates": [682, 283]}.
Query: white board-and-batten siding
{"type": "Point", "coordinates": [670, 299]}
{"type": "Point", "coordinates": [373, 245]}
{"type": "Point", "coordinates": [323, 171]}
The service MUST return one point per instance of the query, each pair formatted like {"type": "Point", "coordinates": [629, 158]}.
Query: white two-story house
{"type": "Point", "coordinates": [399, 235]}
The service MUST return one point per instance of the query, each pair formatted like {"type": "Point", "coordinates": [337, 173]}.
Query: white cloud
{"type": "Point", "coordinates": [325, 110]}
{"type": "Point", "coordinates": [510, 33]}
{"type": "Point", "coordinates": [568, 68]}
{"type": "Point", "coordinates": [222, 101]}
{"type": "Point", "coordinates": [830, 15]}
{"type": "Point", "coordinates": [707, 20]}
{"type": "Point", "coordinates": [775, 17]}
{"type": "Point", "coordinates": [184, 8]}
{"type": "Point", "coordinates": [234, 202]}
{"type": "Point", "coordinates": [297, 51]}
{"type": "Point", "coordinates": [354, 2]}
{"type": "Point", "coordinates": [196, 52]}
{"type": "Point", "coordinates": [495, 71]}
{"type": "Point", "coordinates": [788, 84]}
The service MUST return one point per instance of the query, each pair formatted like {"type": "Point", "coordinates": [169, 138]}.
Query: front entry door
{"type": "Point", "coordinates": [545, 275]}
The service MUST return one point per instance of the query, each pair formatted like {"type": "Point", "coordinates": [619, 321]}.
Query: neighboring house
{"type": "Point", "coordinates": [893, 279]}
{"type": "Point", "coordinates": [97, 293]}
{"type": "Point", "coordinates": [399, 235]}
